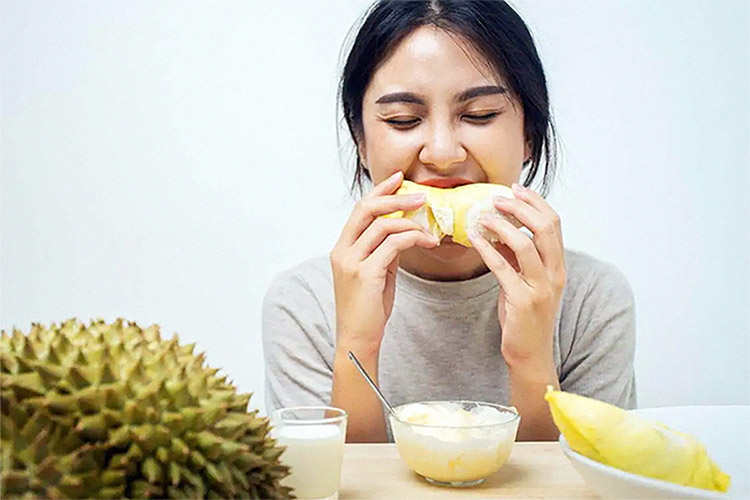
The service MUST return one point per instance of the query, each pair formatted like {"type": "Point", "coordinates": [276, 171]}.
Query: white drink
{"type": "Point", "coordinates": [314, 453]}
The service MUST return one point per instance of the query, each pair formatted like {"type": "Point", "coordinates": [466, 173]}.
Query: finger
{"type": "Point", "coordinates": [387, 186]}
{"type": "Point", "coordinates": [508, 278]}
{"type": "Point", "coordinates": [529, 261]}
{"type": "Point", "coordinates": [546, 230]}
{"type": "Point", "coordinates": [506, 252]}
{"type": "Point", "coordinates": [367, 210]}
{"type": "Point", "coordinates": [535, 200]}
{"type": "Point", "coordinates": [378, 231]}
{"type": "Point", "coordinates": [396, 243]}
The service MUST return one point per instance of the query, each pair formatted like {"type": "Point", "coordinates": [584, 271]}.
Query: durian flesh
{"type": "Point", "coordinates": [114, 411]}
{"type": "Point", "coordinates": [615, 437]}
{"type": "Point", "coordinates": [454, 212]}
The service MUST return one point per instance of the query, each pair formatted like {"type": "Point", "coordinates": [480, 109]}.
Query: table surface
{"type": "Point", "coordinates": [534, 470]}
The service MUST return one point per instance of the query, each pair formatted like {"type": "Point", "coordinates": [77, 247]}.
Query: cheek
{"type": "Point", "coordinates": [499, 151]}
{"type": "Point", "coordinates": [388, 150]}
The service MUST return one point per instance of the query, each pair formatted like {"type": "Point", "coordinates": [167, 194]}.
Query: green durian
{"type": "Point", "coordinates": [114, 411]}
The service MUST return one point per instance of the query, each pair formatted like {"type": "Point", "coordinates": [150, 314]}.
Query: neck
{"type": "Point", "coordinates": [447, 262]}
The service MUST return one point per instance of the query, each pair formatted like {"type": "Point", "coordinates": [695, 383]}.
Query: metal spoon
{"type": "Point", "coordinates": [385, 402]}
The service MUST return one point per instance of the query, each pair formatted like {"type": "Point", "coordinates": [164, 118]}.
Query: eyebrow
{"type": "Point", "coordinates": [412, 98]}
{"type": "Point", "coordinates": [480, 91]}
{"type": "Point", "coordinates": [407, 97]}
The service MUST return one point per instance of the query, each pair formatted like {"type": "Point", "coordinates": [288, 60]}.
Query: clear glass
{"type": "Point", "coordinates": [450, 455]}
{"type": "Point", "coordinates": [314, 437]}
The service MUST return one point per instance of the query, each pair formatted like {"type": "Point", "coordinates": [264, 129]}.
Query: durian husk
{"type": "Point", "coordinates": [114, 411]}
{"type": "Point", "coordinates": [615, 437]}
{"type": "Point", "coordinates": [454, 211]}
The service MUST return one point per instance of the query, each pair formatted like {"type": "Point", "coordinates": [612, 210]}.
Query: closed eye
{"type": "Point", "coordinates": [481, 118]}
{"type": "Point", "coordinates": [403, 123]}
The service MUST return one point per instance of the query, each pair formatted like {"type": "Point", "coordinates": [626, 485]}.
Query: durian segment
{"type": "Point", "coordinates": [454, 212]}
{"type": "Point", "coordinates": [615, 437]}
{"type": "Point", "coordinates": [114, 411]}
{"type": "Point", "coordinates": [471, 202]}
{"type": "Point", "coordinates": [424, 215]}
{"type": "Point", "coordinates": [444, 216]}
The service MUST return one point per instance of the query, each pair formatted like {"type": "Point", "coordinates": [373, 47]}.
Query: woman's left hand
{"type": "Point", "coordinates": [531, 273]}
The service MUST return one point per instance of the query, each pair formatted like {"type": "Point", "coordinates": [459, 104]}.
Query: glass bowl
{"type": "Point", "coordinates": [443, 445]}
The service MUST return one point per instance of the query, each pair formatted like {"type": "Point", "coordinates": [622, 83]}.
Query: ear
{"type": "Point", "coordinates": [526, 152]}
{"type": "Point", "coordinates": [362, 151]}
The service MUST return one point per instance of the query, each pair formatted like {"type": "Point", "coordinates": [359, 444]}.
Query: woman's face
{"type": "Point", "coordinates": [441, 116]}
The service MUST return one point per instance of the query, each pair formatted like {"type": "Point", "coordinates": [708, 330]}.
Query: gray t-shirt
{"type": "Point", "coordinates": [442, 341]}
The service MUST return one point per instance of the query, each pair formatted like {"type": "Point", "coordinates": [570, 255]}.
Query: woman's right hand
{"type": "Point", "coordinates": [364, 262]}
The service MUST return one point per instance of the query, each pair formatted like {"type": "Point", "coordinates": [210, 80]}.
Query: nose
{"type": "Point", "coordinates": [442, 148]}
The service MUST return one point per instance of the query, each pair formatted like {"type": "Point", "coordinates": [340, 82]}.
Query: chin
{"type": "Point", "coordinates": [448, 250]}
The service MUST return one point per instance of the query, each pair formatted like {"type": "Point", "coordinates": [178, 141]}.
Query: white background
{"type": "Point", "coordinates": [163, 161]}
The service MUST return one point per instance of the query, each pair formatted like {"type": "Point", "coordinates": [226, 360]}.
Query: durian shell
{"type": "Point", "coordinates": [114, 411]}
{"type": "Point", "coordinates": [615, 437]}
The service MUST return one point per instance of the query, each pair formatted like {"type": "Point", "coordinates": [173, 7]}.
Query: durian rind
{"type": "Point", "coordinates": [615, 437]}
{"type": "Point", "coordinates": [114, 411]}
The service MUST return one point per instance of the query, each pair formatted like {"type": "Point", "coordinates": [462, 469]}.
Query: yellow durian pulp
{"type": "Point", "coordinates": [454, 211]}
{"type": "Point", "coordinates": [615, 437]}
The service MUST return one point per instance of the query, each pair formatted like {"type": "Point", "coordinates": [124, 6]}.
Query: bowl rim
{"type": "Point", "coordinates": [508, 409]}
{"type": "Point", "coordinates": [672, 488]}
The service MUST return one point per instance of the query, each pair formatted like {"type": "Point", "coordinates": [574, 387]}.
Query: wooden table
{"type": "Point", "coordinates": [534, 470]}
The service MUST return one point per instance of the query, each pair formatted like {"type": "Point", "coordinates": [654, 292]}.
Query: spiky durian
{"type": "Point", "coordinates": [114, 411]}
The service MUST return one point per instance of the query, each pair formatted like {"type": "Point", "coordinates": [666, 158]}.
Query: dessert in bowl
{"type": "Point", "coordinates": [455, 443]}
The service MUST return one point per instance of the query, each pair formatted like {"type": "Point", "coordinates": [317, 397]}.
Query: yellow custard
{"type": "Point", "coordinates": [445, 442]}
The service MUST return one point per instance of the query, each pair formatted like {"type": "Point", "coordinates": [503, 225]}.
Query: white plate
{"type": "Point", "coordinates": [724, 430]}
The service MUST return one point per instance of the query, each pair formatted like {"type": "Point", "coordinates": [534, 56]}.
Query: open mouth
{"type": "Point", "coordinates": [445, 182]}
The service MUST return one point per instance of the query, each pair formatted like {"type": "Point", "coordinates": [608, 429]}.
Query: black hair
{"type": "Point", "coordinates": [493, 28]}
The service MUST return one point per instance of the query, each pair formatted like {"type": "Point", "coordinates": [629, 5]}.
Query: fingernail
{"type": "Point", "coordinates": [399, 173]}
{"type": "Point", "coordinates": [417, 197]}
{"type": "Point", "coordinates": [500, 199]}
{"type": "Point", "coordinates": [518, 187]}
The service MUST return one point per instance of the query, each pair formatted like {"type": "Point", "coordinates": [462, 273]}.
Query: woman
{"type": "Point", "coordinates": [446, 93]}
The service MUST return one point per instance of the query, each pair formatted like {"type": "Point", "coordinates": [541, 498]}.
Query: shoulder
{"type": "Point", "coordinates": [597, 331]}
{"type": "Point", "coordinates": [597, 302]}
{"type": "Point", "coordinates": [589, 277]}
{"type": "Point", "coordinates": [311, 277]}
{"type": "Point", "coordinates": [300, 298]}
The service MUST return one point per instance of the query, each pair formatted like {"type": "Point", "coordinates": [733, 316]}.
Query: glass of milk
{"type": "Point", "coordinates": [314, 438]}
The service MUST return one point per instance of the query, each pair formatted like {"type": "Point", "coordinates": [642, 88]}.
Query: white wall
{"type": "Point", "coordinates": [163, 161]}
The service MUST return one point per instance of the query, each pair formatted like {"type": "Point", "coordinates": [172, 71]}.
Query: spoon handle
{"type": "Point", "coordinates": [356, 362]}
